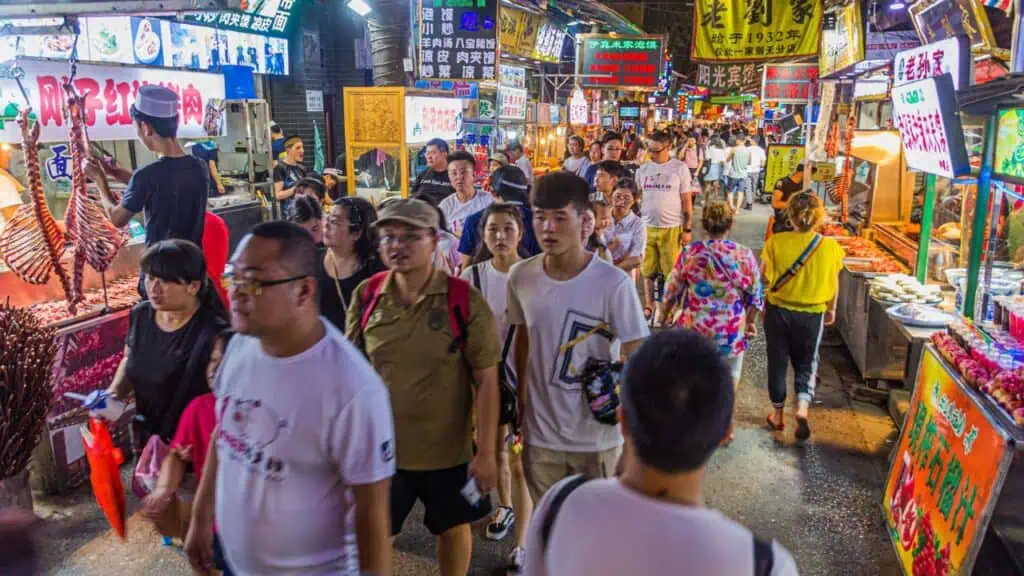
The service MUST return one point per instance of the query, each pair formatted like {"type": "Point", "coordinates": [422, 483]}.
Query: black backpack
{"type": "Point", "coordinates": [764, 556]}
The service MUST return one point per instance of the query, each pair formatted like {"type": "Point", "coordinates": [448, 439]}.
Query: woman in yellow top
{"type": "Point", "coordinates": [801, 277]}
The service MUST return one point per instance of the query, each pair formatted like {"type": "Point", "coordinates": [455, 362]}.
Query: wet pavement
{"type": "Point", "coordinates": [820, 499]}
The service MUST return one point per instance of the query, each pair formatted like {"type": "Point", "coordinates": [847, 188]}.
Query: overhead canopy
{"type": "Point", "coordinates": [577, 16]}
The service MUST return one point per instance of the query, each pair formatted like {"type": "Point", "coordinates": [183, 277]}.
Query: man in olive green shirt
{"type": "Point", "coordinates": [408, 338]}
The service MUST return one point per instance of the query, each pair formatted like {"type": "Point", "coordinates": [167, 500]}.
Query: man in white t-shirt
{"type": "Point", "coordinates": [300, 464]}
{"type": "Point", "coordinates": [568, 306]}
{"type": "Point", "coordinates": [518, 157]}
{"type": "Point", "coordinates": [667, 211]}
{"type": "Point", "coordinates": [467, 199]}
{"type": "Point", "coordinates": [757, 158]}
{"type": "Point", "coordinates": [651, 520]}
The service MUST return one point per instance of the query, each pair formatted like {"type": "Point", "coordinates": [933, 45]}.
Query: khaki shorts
{"type": "Point", "coordinates": [544, 468]}
{"type": "Point", "coordinates": [660, 251]}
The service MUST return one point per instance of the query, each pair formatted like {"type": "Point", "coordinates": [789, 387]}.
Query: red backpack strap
{"type": "Point", "coordinates": [374, 287]}
{"type": "Point", "coordinates": [458, 310]}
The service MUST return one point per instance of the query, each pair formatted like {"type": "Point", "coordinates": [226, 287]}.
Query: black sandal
{"type": "Point", "coordinates": [803, 431]}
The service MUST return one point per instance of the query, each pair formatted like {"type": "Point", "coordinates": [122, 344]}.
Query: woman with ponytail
{"type": "Point", "coordinates": [170, 338]}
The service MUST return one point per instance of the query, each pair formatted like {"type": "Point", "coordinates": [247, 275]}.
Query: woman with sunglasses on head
{"type": "Point", "coordinates": [170, 338]}
{"type": "Point", "coordinates": [348, 257]}
{"type": "Point", "coordinates": [501, 228]}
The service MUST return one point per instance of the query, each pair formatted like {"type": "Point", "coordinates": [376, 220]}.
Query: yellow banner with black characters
{"type": "Point", "coordinates": [755, 30]}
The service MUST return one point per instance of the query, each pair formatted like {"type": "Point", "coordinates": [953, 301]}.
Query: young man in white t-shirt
{"type": "Point", "coordinates": [568, 306]}
{"type": "Point", "coordinates": [467, 199]}
{"type": "Point", "coordinates": [651, 520]}
{"type": "Point", "coordinates": [300, 465]}
{"type": "Point", "coordinates": [757, 159]}
{"type": "Point", "coordinates": [667, 211]}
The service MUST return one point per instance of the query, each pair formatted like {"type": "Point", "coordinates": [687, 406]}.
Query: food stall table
{"type": "Point", "coordinates": [878, 348]}
{"type": "Point", "coordinates": [917, 337]}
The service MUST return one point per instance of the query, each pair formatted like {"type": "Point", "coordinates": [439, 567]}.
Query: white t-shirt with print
{"type": "Point", "coordinates": [631, 235]}
{"type": "Point", "coordinates": [494, 287]}
{"type": "Point", "coordinates": [662, 184]}
{"type": "Point", "coordinates": [630, 533]}
{"type": "Point", "coordinates": [456, 211]}
{"type": "Point", "coordinates": [555, 313]}
{"type": "Point", "coordinates": [294, 434]}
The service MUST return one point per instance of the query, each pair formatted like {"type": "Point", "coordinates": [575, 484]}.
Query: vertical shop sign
{"type": "Point", "coordinates": [755, 30]}
{"type": "Point", "coordinates": [722, 79]}
{"type": "Point", "coordinates": [952, 55]}
{"type": "Point", "coordinates": [513, 76]}
{"type": "Point", "coordinates": [548, 47]}
{"type": "Point", "coordinates": [843, 46]}
{"type": "Point", "coordinates": [790, 83]}
{"type": "Point", "coordinates": [925, 112]}
{"type": "Point", "coordinates": [578, 108]}
{"type": "Point", "coordinates": [947, 469]}
{"type": "Point", "coordinates": [511, 103]}
{"type": "Point", "coordinates": [620, 61]}
{"type": "Point", "coordinates": [781, 161]}
{"type": "Point", "coordinates": [458, 39]}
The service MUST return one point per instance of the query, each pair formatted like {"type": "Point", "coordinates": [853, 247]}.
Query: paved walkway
{"type": "Point", "coordinates": [821, 500]}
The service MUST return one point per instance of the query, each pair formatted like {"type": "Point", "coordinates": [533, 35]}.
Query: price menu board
{"type": "Point", "coordinates": [458, 39]}
{"type": "Point", "coordinates": [620, 61]}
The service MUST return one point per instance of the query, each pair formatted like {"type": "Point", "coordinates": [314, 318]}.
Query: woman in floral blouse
{"type": "Point", "coordinates": [717, 284]}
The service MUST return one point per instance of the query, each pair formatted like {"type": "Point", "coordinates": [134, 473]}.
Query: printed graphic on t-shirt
{"type": "Point", "coordinates": [572, 359]}
{"type": "Point", "coordinates": [248, 427]}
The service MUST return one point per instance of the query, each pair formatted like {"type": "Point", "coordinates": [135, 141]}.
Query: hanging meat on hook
{"type": "Point", "coordinates": [96, 240]}
{"type": "Point", "coordinates": [32, 243]}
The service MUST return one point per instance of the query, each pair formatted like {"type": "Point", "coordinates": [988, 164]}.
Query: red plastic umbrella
{"type": "Point", "coordinates": [104, 464]}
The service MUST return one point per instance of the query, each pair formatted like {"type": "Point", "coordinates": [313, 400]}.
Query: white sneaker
{"type": "Point", "coordinates": [499, 526]}
{"type": "Point", "coordinates": [516, 558]}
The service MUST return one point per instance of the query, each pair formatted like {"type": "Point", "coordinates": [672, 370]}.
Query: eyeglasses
{"type": "Point", "coordinates": [252, 286]}
{"type": "Point", "coordinates": [401, 239]}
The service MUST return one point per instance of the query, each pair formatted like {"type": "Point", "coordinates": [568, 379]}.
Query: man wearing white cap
{"type": "Point", "coordinates": [172, 190]}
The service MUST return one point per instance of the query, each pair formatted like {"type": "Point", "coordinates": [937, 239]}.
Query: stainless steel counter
{"type": "Point", "coordinates": [878, 347]}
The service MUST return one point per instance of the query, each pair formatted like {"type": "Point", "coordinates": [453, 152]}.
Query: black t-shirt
{"type": "Point", "coordinates": [168, 369]}
{"type": "Point", "coordinates": [331, 306]}
{"type": "Point", "coordinates": [172, 191]}
{"type": "Point", "coordinates": [788, 187]}
{"type": "Point", "coordinates": [205, 155]}
{"type": "Point", "coordinates": [432, 186]}
{"type": "Point", "coordinates": [289, 174]}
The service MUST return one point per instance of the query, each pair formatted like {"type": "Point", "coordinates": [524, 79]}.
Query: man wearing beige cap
{"type": "Point", "coordinates": [172, 190]}
{"type": "Point", "coordinates": [433, 340]}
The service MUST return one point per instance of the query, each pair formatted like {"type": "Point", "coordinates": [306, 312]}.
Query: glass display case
{"type": "Point", "coordinates": [376, 152]}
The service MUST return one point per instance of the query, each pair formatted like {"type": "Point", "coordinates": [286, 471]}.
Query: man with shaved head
{"type": "Point", "coordinates": [303, 452]}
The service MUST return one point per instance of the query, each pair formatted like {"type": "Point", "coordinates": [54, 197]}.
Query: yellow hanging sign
{"type": "Point", "coordinates": [782, 161]}
{"type": "Point", "coordinates": [757, 30]}
{"type": "Point", "coordinates": [844, 46]}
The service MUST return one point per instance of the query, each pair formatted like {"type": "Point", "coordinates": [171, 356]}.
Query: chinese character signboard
{"type": "Point", "coordinates": [938, 20]}
{"type": "Point", "coordinates": [781, 161]}
{"type": "Point", "coordinates": [844, 46]}
{"type": "Point", "coordinates": [511, 103]}
{"type": "Point", "coordinates": [548, 47]}
{"type": "Point", "coordinates": [945, 475]}
{"type": "Point", "coordinates": [428, 118]}
{"type": "Point", "coordinates": [620, 61]}
{"type": "Point", "coordinates": [790, 83]}
{"type": "Point", "coordinates": [262, 17]}
{"type": "Point", "coordinates": [755, 29]}
{"type": "Point", "coordinates": [513, 76]}
{"type": "Point", "coordinates": [109, 93]}
{"type": "Point", "coordinates": [521, 31]}
{"type": "Point", "coordinates": [871, 90]}
{"type": "Point", "coordinates": [578, 108]}
{"type": "Point", "coordinates": [728, 78]}
{"type": "Point", "coordinates": [458, 39]}
{"type": "Point", "coordinates": [925, 112]}
{"type": "Point", "coordinates": [885, 45]}
{"type": "Point", "coordinates": [952, 55]}
{"type": "Point", "coordinates": [1009, 153]}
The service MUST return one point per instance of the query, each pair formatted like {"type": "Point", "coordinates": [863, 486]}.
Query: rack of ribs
{"type": "Point", "coordinates": [96, 240]}
{"type": "Point", "coordinates": [32, 243]}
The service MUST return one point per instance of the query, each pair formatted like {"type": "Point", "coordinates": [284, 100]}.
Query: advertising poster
{"type": "Point", "coordinates": [944, 475]}
{"type": "Point", "coordinates": [760, 30]}
{"type": "Point", "coordinates": [1009, 153]}
{"type": "Point", "coordinates": [187, 46]}
{"type": "Point", "coordinates": [429, 118]}
{"type": "Point", "coordinates": [109, 38]}
{"type": "Point", "coordinates": [842, 46]}
{"type": "Point", "coordinates": [109, 92]}
{"type": "Point", "coordinates": [147, 41]}
{"type": "Point", "coordinates": [926, 114]}
{"type": "Point", "coordinates": [549, 43]}
{"type": "Point", "coordinates": [273, 17]}
{"type": "Point", "coordinates": [511, 103]}
{"type": "Point", "coordinates": [781, 162]}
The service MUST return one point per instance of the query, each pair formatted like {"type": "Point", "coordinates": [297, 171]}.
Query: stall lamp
{"type": "Point", "coordinates": [897, 5]}
{"type": "Point", "coordinates": [360, 7]}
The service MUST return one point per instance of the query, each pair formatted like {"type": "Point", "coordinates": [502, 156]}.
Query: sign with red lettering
{"type": "Point", "coordinates": [109, 93]}
{"type": "Point", "coordinates": [578, 114]}
{"type": "Point", "coordinates": [620, 61]}
{"type": "Point", "coordinates": [511, 103]}
{"type": "Point", "coordinates": [790, 83]}
{"type": "Point", "coordinates": [952, 55]}
{"type": "Point", "coordinates": [429, 118]}
{"type": "Point", "coordinates": [925, 112]}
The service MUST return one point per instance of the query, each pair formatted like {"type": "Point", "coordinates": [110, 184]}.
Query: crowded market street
{"type": "Point", "coordinates": [820, 500]}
